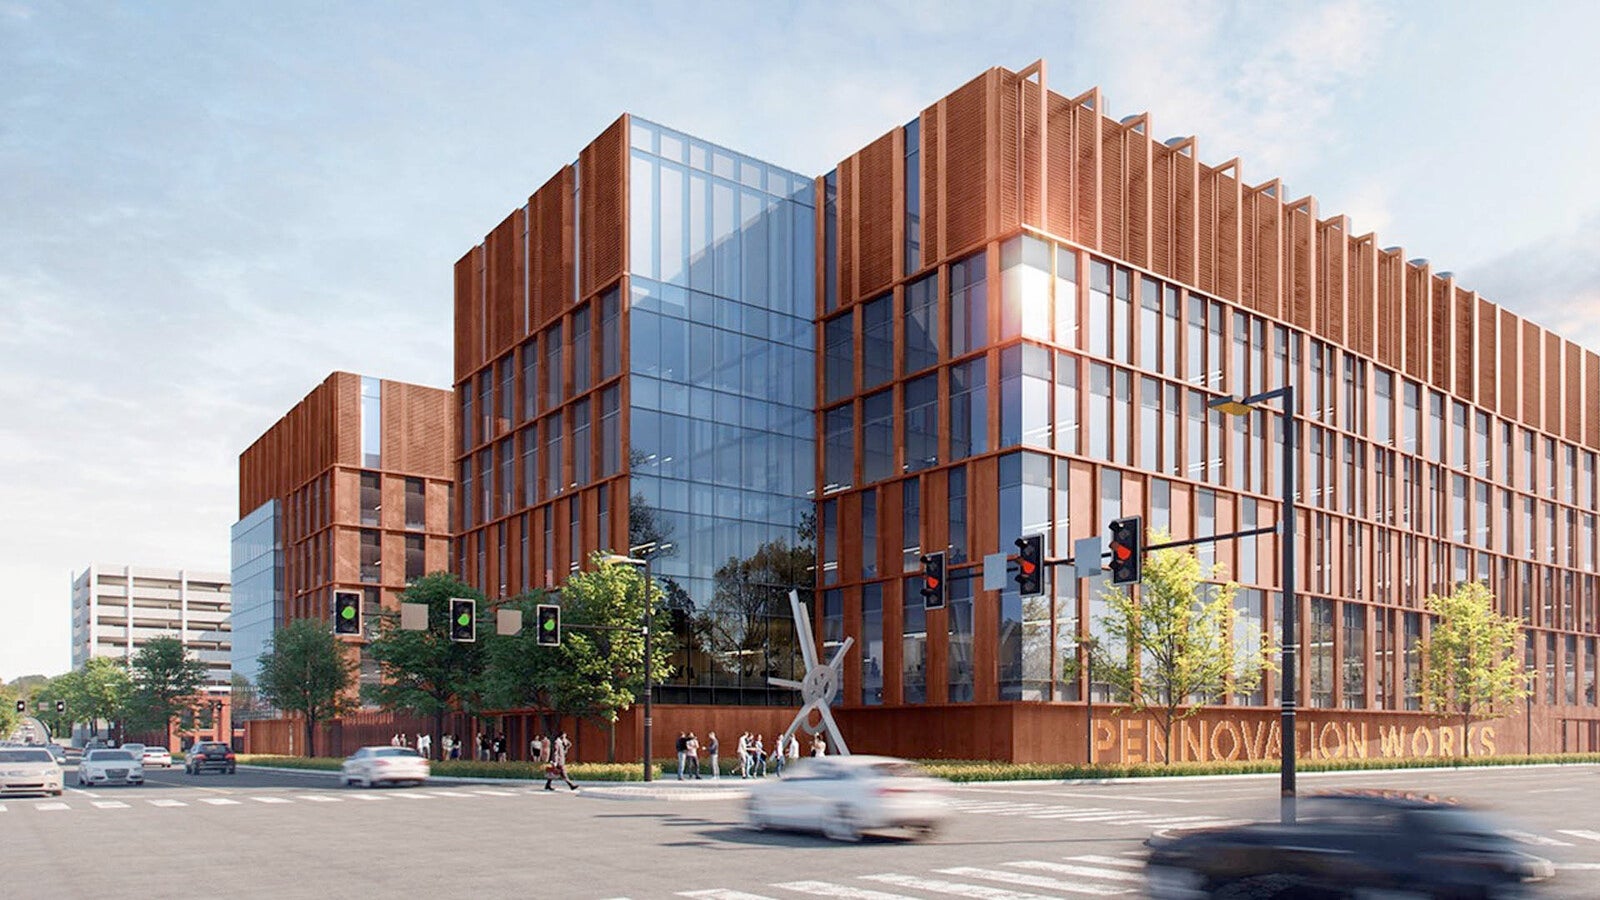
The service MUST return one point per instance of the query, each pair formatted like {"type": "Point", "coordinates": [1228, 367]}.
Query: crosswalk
{"type": "Point", "coordinates": [1087, 875]}
{"type": "Point", "coordinates": [1090, 815]}
{"type": "Point", "coordinates": [77, 801]}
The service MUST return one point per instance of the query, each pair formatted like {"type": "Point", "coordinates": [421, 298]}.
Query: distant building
{"type": "Point", "coordinates": [117, 609]}
{"type": "Point", "coordinates": [348, 491]}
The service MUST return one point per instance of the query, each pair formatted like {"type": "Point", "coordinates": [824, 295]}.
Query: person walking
{"type": "Point", "coordinates": [682, 748]}
{"type": "Point", "coordinates": [794, 748]}
{"type": "Point", "coordinates": [558, 763]}
{"type": "Point", "coordinates": [760, 755]}
{"type": "Point", "coordinates": [500, 747]}
{"type": "Point", "coordinates": [779, 748]}
{"type": "Point", "coordinates": [819, 746]}
{"type": "Point", "coordinates": [712, 747]}
{"type": "Point", "coordinates": [744, 755]}
{"type": "Point", "coordinates": [692, 746]}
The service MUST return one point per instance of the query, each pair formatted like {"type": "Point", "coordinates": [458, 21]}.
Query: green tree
{"type": "Point", "coordinates": [8, 710]}
{"type": "Point", "coordinates": [520, 673]}
{"type": "Point", "coordinates": [166, 682]}
{"type": "Point", "coordinates": [102, 691]}
{"type": "Point", "coordinates": [424, 672]}
{"type": "Point", "coordinates": [606, 660]}
{"type": "Point", "coordinates": [1172, 648]}
{"type": "Point", "coordinates": [304, 669]}
{"type": "Point", "coordinates": [1470, 668]}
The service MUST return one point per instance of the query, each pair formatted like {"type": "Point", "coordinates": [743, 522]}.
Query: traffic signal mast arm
{"type": "Point", "coordinates": [974, 571]}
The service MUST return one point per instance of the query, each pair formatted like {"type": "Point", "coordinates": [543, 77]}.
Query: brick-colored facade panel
{"type": "Point", "coordinates": [1510, 339]}
{"type": "Point", "coordinates": [469, 312]}
{"type": "Point", "coordinates": [1552, 382]}
{"type": "Point", "coordinates": [1591, 390]}
{"type": "Point", "coordinates": [875, 205]}
{"type": "Point", "coordinates": [1531, 411]}
{"type": "Point", "coordinates": [1488, 347]}
{"type": "Point", "coordinates": [503, 252]}
{"type": "Point", "coordinates": [603, 220]}
{"type": "Point", "coordinates": [1572, 387]}
{"type": "Point", "coordinates": [964, 166]}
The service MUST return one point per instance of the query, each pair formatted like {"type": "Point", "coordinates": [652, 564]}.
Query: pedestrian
{"type": "Point", "coordinates": [760, 757]}
{"type": "Point", "coordinates": [779, 748]}
{"type": "Point", "coordinates": [819, 746]}
{"type": "Point", "coordinates": [395, 741]}
{"type": "Point", "coordinates": [500, 747]}
{"type": "Point", "coordinates": [544, 748]}
{"type": "Point", "coordinates": [693, 748]}
{"type": "Point", "coordinates": [558, 763]}
{"type": "Point", "coordinates": [425, 745]}
{"type": "Point", "coordinates": [794, 748]}
{"type": "Point", "coordinates": [744, 755]}
{"type": "Point", "coordinates": [682, 748]}
{"type": "Point", "coordinates": [716, 769]}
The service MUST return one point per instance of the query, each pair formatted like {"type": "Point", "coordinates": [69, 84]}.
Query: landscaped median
{"type": "Point", "coordinates": [952, 770]}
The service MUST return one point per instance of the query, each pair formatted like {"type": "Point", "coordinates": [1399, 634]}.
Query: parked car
{"type": "Point", "coordinates": [157, 756]}
{"type": "Point", "coordinates": [209, 756]}
{"type": "Point", "coordinates": [372, 766]}
{"type": "Point", "coordinates": [29, 770]}
{"type": "Point", "coordinates": [842, 796]}
{"type": "Point", "coordinates": [1348, 843]}
{"type": "Point", "coordinates": [117, 766]}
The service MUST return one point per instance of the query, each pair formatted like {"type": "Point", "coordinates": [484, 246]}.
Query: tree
{"type": "Point", "coordinates": [103, 690]}
{"type": "Point", "coordinates": [520, 673]}
{"type": "Point", "coordinates": [165, 683]}
{"type": "Point", "coordinates": [424, 672]}
{"type": "Point", "coordinates": [8, 710]}
{"type": "Point", "coordinates": [1470, 666]}
{"type": "Point", "coordinates": [1172, 648]}
{"type": "Point", "coordinates": [304, 670]}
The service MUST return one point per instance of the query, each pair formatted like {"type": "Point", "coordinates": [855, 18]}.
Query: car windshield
{"type": "Point", "coordinates": [111, 756]}
{"type": "Point", "coordinates": [19, 756]}
{"type": "Point", "coordinates": [395, 751]}
{"type": "Point", "coordinates": [1455, 821]}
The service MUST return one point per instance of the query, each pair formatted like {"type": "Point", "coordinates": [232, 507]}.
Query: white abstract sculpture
{"type": "Point", "coordinates": [822, 681]}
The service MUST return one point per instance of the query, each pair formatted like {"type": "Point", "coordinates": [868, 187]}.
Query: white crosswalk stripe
{"type": "Point", "coordinates": [1081, 871]}
{"type": "Point", "coordinates": [412, 795]}
{"type": "Point", "coordinates": [50, 807]}
{"type": "Point", "coordinates": [1111, 860]}
{"type": "Point", "coordinates": [492, 793]}
{"type": "Point", "coordinates": [219, 801]}
{"type": "Point", "coordinates": [1528, 837]}
{"type": "Point", "coordinates": [842, 891]}
{"type": "Point", "coordinates": [1580, 833]}
{"type": "Point", "coordinates": [271, 800]}
{"type": "Point", "coordinates": [720, 894]}
{"type": "Point", "coordinates": [956, 888]}
{"type": "Point", "coordinates": [318, 798]}
{"type": "Point", "coordinates": [166, 804]}
{"type": "Point", "coordinates": [110, 804]}
{"type": "Point", "coordinates": [1036, 881]}
{"type": "Point", "coordinates": [367, 797]}
{"type": "Point", "coordinates": [450, 794]}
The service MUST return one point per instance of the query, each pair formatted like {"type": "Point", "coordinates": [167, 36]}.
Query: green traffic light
{"type": "Point", "coordinates": [349, 612]}
{"type": "Point", "coordinates": [549, 624]}
{"type": "Point", "coordinates": [463, 620]}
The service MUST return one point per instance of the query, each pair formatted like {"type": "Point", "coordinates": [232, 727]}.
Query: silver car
{"type": "Point", "coordinates": [372, 766]}
{"type": "Point", "coordinates": [29, 770]}
{"type": "Point", "coordinates": [842, 796]}
{"type": "Point", "coordinates": [110, 767]}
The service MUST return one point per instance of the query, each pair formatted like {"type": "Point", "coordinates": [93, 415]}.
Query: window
{"type": "Point", "coordinates": [1321, 652]}
{"type": "Point", "coordinates": [1122, 316]}
{"type": "Point", "coordinates": [877, 436]}
{"type": "Point", "coordinates": [416, 557]}
{"type": "Point", "coordinates": [957, 510]}
{"type": "Point", "coordinates": [371, 499]}
{"type": "Point", "coordinates": [920, 325]}
{"type": "Point", "coordinates": [838, 449]}
{"type": "Point", "coordinates": [610, 431]}
{"type": "Point", "coordinates": [838, 358]}
{"type": "Point", "coordinates": [1355, 656]}
{"type": "Point", "coordinates": [530, 378]}
{"type": "Point", "coordinates": [913, 643]}
{"type": "Point", "coordinates": [416, 503]}
{"type": "Point", "coordinates": [1248, 628]}
{"type": "Point", "coordinates": [830, 241]}
{"type": "Point", "coordinates": [1025, 288]}
{"type": "Point", "coordinates": [869, 534]}
{"type": "Point", "coordinates": [554, 383]}
{"type": "Point", "coordinates": [969, 305]}
{"type": "Point", "coordinates": [1099, 421]}
{"type": "Point", "coordinates": [371, 422]}
{"type": "Point", "coordinates": [468, 421]}
{"type": "Point", "coordinates": [1383, 422]}
{"type": "Point", "coordinates": [1025, 396]}
{"type": "Point", "coordinates": [1099, 324]}
{"type": "Point", "coordinates": [579, 415]}
{"type": "Point", "coordinates": [1066, 406]}
{"type": "Point", "coordinates": [1410, 417]}
{"type": "Point", "coordinates": [872, 644]}
{"type": "Point", "coordinates": [371, 556]}
{"type": "Point", "coordinates": [1066, 298]}
{"type": "Point", "coordinates": [959, 648]}
{"type": "Point", "coordinates": [969, 418]}
{"type": "Point", "coordinates": [1149, 323]}
{"type": "Point", "coordinates": [610, 334]}
{"type": "Point", "coordinates": [921, 412]}
{"type": "Point", "coordinates": [911, 525]}
{"type": "Point", "coordinates": [530, 465]}
{"type": "Point", "coordinates": [553, 482]}
{"type": "Point", "coordinates": [1411, 675]}
{"type": "Point", "coordinates": [913, 183]}
{"type": "Point", "coordinates": [877, 342]}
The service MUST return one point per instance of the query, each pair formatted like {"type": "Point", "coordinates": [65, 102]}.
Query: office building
{"type": "Point", "coordinates": [350, 490]}
{"type": "Point", "coordinates": [117, 609]}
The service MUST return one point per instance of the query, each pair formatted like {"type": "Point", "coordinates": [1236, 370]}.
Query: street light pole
{"type": "Point", "coordinates": [641, 557]}
{"type": "Point", "coordinates": [1287, 693]}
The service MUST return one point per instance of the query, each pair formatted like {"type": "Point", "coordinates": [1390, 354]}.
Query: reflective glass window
{"type": "Point", "coordinates": [969, 305]}
{"type": "Point", "coordinates": [877, 342]}
{"type": "Point", "coordinates": [969, 411]}
{"type": "Point", "coordinates": [877, 436]}
{"type": "Point", "coordinates": [920, 324]}
{"type": "Point", "coordinates": [921, 414]}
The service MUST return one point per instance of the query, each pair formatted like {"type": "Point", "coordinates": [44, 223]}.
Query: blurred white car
{"type": "Point", "coordinates": [842, 796]}
{"type": "Point", "coordinates": [29, 770]}
{"type": "Point", "coordinates": [117, 766]}
{"type": "Point", "coordinates": [157, 756]}
{"type": "Point", "coordinates": [371, 766]}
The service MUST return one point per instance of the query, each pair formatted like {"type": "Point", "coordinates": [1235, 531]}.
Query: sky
{"type": "Point", "coordinates": [205, 208]}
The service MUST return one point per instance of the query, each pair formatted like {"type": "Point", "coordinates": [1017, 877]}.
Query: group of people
{"type": "Point", "coordinates": [491, 746]}
{"type": "Point", "coordinates": [754, 758]}
{"type": "Point", "coordinates": [423, 745]}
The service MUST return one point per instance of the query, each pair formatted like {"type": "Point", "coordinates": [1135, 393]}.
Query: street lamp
{"type": "Point", "coordinates": [641, 556]}
{"type": "Point", "coordinates": [1286, 695]}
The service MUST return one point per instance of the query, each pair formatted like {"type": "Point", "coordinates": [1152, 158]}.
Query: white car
{"type": "Point", "coordinates": [29, 770]}
{"type": "Point", "coordinates": [117, 766]}
{"type": "Point", "coordinates": [136, 749]}
{"type": "Point", "coordinates": [157, 756]}
{"type": "Point", "coordinates": [371, 766]}
{"type": "Point", "coordinates": [842, 796]}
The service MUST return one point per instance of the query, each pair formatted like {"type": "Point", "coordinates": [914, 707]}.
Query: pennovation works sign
{"type": "Point", "coordinates": [1207, 737]}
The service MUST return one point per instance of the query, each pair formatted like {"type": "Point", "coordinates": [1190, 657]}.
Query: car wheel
{"type": "Point", "coordinates": [755, 814]}
{"type": "Point", "coordinates": [842, 825]}
{"type": "Point", "coordinates": [58, 793]}
{"type": "Point", "coordinates": [926, 831]}
{"type": "Point", "coordinates": [1261, 887]}
{"type": "Point", "coordinates": [232, 769]}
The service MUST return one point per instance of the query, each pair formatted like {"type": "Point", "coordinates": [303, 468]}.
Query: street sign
{"type": "Point", "coordinates": [508, 621]}
{"type": "Point", "coordinates": [994, 572]}
{"type": "Point", "coordinates": [413, 617]}
{"type": "Point", "coordinates": [1086, 557]}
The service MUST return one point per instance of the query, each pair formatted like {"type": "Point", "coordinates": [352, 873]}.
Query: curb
{"type": "Point", "coordinates": [608, 790]}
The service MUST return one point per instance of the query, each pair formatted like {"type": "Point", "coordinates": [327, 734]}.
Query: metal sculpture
{"type": "Point", "coordinates": [821, 684]}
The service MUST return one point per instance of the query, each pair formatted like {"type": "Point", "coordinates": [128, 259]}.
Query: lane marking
{"type": "Point", "coordinates": [450, 794]}
{"type": "Point", "coordinates": [219, 801]}
{"type": "Point", "coordinates": [493, 793]}
{"type": "Point", "coordinates": [937, 886]}
{"type": "Point", "coordinates": [109, 804]}
{"type": "Point", "coordinates": [317, 798]}
{"type": "Point", "coordinates": [1126, 798]}
{"type": "Point", "coordinates": [1080, 871]}
{"type": "Point", "coordinates": [1527, 837]}
{"type": "Point", "coordinates": [51, 807]}
{"type": "Point", "coordinates": [1037, 881]}
{"type": "Point", "coordinates": [2, 807]}
{"type": "Point", "coordinates": [1578, 867]}
{"type": "Point", "coordinates": [166, 804]}
{"type": "Point", "coordinates": [721, 894]}
{"type": "Point", "coordinates": [411, 796]}
{"type": "Point", "coordinates": [1109, 861]}
{"type": "Point", "coordinates": [826, 889]}
{"type": "Point", "coordinates": [366, 797]}
{"type": "Point", "coordinates": [270, 800]}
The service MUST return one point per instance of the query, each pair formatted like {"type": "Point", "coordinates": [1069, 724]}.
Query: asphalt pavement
{"type": "Point", "coordinates": [292, 835]}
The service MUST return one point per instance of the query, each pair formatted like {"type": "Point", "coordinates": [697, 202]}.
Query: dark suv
{"type": "Point", "coordinates": [209, 756]}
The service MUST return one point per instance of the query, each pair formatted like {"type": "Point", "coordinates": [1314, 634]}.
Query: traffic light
{"type": "Point", "coordinates": [933, 581]}
{"type": "Point", "coordinates": [346, 612]}
{"type": "Point", "coordinates": [1030, 565]}
{"type": "Point", "coordinates": [61, 707]}
{"type": "Point", "coordinates": [1127, 550]}
{"type": "Point", "coordinates": [549, 630]}
{"type": "Point", "coordinates": [463, 619]}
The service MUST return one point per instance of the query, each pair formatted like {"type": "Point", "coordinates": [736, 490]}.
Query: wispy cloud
{"type": "Point", "coordinates": [1554, 281]}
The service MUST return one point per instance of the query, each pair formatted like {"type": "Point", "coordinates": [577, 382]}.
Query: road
{"type": "Point", "coordinates": [263, 834]}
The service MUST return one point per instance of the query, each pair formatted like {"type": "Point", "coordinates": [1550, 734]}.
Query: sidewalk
{"type": "Point", "coordinates": [669, 789]}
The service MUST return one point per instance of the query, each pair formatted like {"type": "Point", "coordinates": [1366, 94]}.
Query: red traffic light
{"type": "Point", "coordinates": [1127, 550]}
